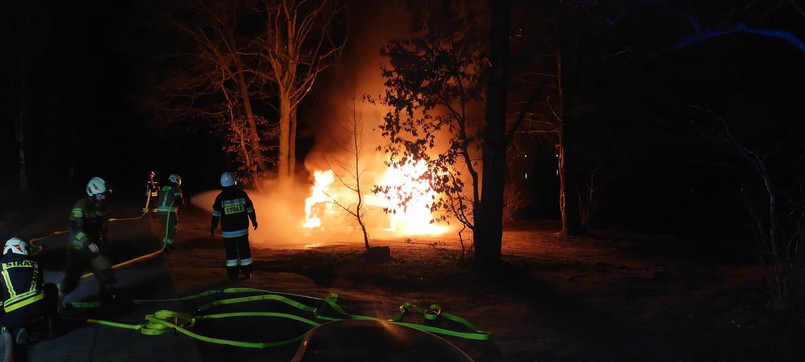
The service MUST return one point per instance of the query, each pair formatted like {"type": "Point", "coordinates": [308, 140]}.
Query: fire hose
{"type": "Point", "coordinates": [145, 211]}
{"type": "Point", "coordinates": [166, 321]}
{"type": "Point", "coordinates": [127, 262]}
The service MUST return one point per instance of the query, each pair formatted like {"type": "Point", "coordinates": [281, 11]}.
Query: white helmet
{"type": "Point", "coordinates": [96, 186]}
{"type": "Point", "coordinates": [175, 179]}
{"type": "Point", "coordinates": [16, 246]}
{"type": "Point", "coordinates": [227, 179]}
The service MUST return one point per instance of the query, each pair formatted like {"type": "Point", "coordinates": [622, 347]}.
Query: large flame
{"type": "Point", "coordinates": [413, 218]}
{"type": "Point", "coordinates": [319, 199]}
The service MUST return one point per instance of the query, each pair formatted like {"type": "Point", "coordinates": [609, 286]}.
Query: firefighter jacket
{"type": "Point", "coordinates": [88, 223]}
{"type": "Point", "coordinates": [170, 198]}
{"type": "Point", "coordinates": [152, 187]}
{"type": "Point", "coordinates": [22, 281]}
{"type": "Point", "coordinates": [234, 208]}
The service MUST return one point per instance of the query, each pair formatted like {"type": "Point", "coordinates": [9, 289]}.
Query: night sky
{"type": "Point", "coordinates": [90, 63]}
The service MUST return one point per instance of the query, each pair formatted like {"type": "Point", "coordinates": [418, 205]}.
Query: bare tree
{"type": "Point", "coordinates": [775, 201]}
{"type": "Point", "coordinates": [352, 175]}
{"type": "Point", "coordinates": [545, 69]}
{"type": "Point", "coordinates": [300, 41]}
{"type": "Point", "coordinates": [223, 79]}
{"type": "Point", "coordinates": [588, 194]}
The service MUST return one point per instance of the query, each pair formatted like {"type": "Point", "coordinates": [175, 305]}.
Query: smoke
{"type": "Point", "coordinates": [280, 215]}
{"type": "Point", "coordinates": [340, 91]}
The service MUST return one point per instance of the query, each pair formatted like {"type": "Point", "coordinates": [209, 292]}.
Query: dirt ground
{"type": "Point", "coordinates": [610, 296]}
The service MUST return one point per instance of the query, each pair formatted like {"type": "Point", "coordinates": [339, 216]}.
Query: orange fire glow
{"type": "Point", "coordinates": [318, 201]}
{"type": "Point", "coordinates": [413, 219]}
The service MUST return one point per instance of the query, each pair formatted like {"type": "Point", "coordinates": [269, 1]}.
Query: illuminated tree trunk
{"type": "Point", "coordinates": [283, 163]}
{"type": "Point", "coordinates": [286, 67]}
{"type": "Point", "coordinates": [489, 217]}
{"type": "Point", "coordinates": [254, 137]}
{"type": "Point", "coordinates": [567, 67]}
{"type": "Point", "coordinates": [298, 46]}
{"type": "Point", "coordinates": [292, 145]}
{"type": "Point", "coordinates": [287, 150]}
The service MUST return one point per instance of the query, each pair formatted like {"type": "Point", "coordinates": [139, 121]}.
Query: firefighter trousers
{"type": "Point", "coordinates": [238, 256]}
{"type": "Point", "coordinates": [170, 223]}
{"type": "Point", "coordinates": [77, 261]}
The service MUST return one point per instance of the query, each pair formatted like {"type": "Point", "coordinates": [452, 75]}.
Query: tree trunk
{"type": "Point", "coordinates": [568, 198]}
{"type": "Point", "coordinates": [567, 69]}
{"type": "Point", "coordinates": [489, 216]}
{"type": "Point", "coordinates": [243, 148]}
{"type": "Point", "coordinates": [360, 218]}
{"type": "Point", "coordinates": [285, 138]}
{"type": "Point", "coordinates": [292, 144]}
{"type": "Point", "coordinates": [247, 107]}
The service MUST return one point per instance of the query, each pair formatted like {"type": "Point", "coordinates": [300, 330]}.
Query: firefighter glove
{"type": "Point", "coordinates": [255, 225]}
{"type": "Point", "coordinates": [212, 231]}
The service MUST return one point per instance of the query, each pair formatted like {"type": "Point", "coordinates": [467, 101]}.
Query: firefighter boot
{"type": "Point", "coordinates": [232, 271]}
{"type": "Point", "coordinates": [247, 271]}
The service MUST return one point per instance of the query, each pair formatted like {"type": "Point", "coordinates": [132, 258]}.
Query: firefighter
{"type": "Point", "coordinates": [87, 241]}
{"type": "Point", "coordinates": [151, 193]}
{"type": "Point", "coordinates": [170, 199]}
{"type": "Point", "coordinates": [234, 209]}
{"type": "Point", "coordinates": [25, 295]}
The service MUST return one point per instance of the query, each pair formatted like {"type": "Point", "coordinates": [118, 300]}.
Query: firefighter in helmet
{"type": "Point", "coordinates": [24, 294]}
{"type": "Point", "coordinates": [88, 239]}
{"type": "Point", "coordinates": [234, 209]}
{"type": "Point", "coordinates": [169, 200]}
{"type": "Point", "coordinates": [151, 193]}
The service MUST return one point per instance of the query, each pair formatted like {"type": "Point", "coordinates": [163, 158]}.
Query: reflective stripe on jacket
{"type": "Point", "coordinates": [170, 196]}
{"type": "Point", "coordinates": [22, 282]}
{"type": "Point", "coordinates": [88, 222]}
{"type": "Point", "coordinates": [234, 209]}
